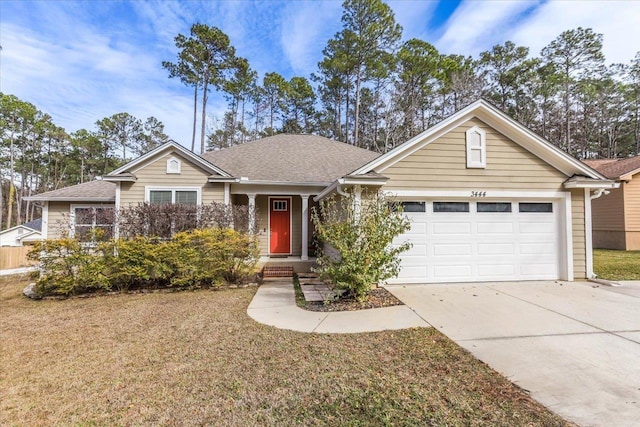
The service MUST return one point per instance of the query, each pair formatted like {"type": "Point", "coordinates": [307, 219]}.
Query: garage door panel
{"type": "Point", "coordinates": [537, 248]}
{"type": "Point", "coordinates": [546, 227]}
{"type": "Point", "coordinates": [453, 271]}
{"type": "Point", "coordinates": [451, 228]}
{"type": "Point", "coordinates": [493, 228]}
{"type": "Point", "coordinates": [496, 270]}
{"type": "Point", "coordinates": [482, 246]}
{"type": "Point", "coordinates": [444, 249]}
{"type": "Point", "coordinates": [496, 249]}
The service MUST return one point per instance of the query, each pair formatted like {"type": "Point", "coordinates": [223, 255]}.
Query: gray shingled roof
{"type": "Point", "coordinates": [35, 224]}
{"type": "Point", "coordinates": [291, 158]}
{"type": "Point", "coordinates": [615, 168]}
{"type": "Point", "coordinates": [89, 191]}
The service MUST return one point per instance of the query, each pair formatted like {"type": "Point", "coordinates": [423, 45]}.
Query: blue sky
{"type": "Point", "coordinates": [81, 61]}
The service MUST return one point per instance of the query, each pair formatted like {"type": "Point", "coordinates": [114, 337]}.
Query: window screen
{"type": "Point", "coordinates": [494, 206]}
{"type": "Point", "coordinates": [158, 197]}
{"type": "Point", "coordinates": [413, 206]}
{"type": "Point", "coordinates": [187, 197]}
{"type": "Point", "coordinates": [536, 207]}
{"type": "Point", "coordinates": [451, 206]}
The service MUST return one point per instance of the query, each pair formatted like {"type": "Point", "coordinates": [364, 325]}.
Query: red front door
{"type": "Point", "coordinates": [280, 224]}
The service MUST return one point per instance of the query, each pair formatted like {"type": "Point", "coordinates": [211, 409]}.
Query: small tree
{"type": "Point", "coordinates": [357, 236]}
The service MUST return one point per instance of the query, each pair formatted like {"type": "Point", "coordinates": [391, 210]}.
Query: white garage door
{"type": "Point", "coordinates": [467, 241]}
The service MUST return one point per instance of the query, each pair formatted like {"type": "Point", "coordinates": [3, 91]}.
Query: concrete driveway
{"type": "Point", "coordinates": [574, 346]}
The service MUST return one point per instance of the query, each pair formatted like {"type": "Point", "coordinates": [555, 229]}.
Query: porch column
{"type": "Point", "coordinates": [305, 227]}
{"type": "Point", "coordinates": [252, 212]}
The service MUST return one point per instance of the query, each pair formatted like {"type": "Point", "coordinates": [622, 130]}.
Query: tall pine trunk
{"type": "Point", "coordinates": [195, 116]}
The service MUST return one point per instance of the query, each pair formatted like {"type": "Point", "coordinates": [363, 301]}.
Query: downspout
{"type": "Point", "coordinates": [591, 276]}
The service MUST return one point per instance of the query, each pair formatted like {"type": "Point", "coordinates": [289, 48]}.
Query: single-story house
{"type": "Point", "coordinates": [616, 218]}
{"type": "Point", "coordinates": [20, 235]}
{"type": "Point", "coordinates": [488, 199]}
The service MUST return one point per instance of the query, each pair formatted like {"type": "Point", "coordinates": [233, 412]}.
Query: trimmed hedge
{"type": "Point", "coordinates": [207, 257]}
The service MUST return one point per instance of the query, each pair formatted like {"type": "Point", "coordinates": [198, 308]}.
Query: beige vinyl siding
{"type": "Point", "coordinates": [442, 165]}
{"type": "Point", "coordinates": [578, 231]}
{"type": "Point", "coordinates": [632, 204]}
{"type": "Point", "coordinates": [608, 211]}
{"type": "Point", "coordinates": [59, 217]}
{"type": "Point", "coordinates": [154, 173]}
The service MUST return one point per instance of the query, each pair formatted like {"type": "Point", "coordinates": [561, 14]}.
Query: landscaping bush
{"type": "Point", "coordinates": [68, 267]}
{"type": "Point", "coordinates": [360, 233]}
{"type": "Point", "coordinates": [197, 258]}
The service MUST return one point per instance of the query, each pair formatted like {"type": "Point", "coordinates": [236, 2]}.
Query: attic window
{"type": "Point", "coordinates": [173, 165]}
{"type": "Point", "coordinates": [476, 148]}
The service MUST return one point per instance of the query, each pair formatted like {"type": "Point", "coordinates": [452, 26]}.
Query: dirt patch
{"type": "Point", "coordinates": [377, 298]}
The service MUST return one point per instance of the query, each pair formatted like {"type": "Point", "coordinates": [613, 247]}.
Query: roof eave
{"type": "Point", "coordinates": [70, 199]}
{"type": "Point", "coordinates": [118, 178]}
{"type": "Point", "coordinates": [583, 182]}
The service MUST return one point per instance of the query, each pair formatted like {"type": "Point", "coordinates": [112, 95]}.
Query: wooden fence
{"type": "Point", "coordinates": [14, 257]}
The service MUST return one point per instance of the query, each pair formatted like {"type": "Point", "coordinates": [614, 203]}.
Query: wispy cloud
{"type": "Point", "coordinates": [617, 20]}
{"type": "Point", "coordinates": [309, 25]}
{"type": "Point", "coordinates": [477, 25]}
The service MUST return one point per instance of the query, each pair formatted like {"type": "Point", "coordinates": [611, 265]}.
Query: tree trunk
{"type": "Point", "coordinates": [195, 117]}
{"type": "Point", "coordinates": [357, 111]}
{"type": "Point", "coordinates": [205, 87]}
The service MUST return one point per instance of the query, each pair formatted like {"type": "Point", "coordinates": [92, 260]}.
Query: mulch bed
{"type": "Point", "coordinates": [378, 297]}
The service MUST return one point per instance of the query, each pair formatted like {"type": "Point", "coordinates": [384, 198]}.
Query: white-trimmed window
{"type": "Point", "coordinates": [173, 165]}
{"type": "Point", "coordinates": [173, 195]}
{"type": "Point", "coordinates": [90, 222]}
{"type": "Point", "coordinates": [476, 139]}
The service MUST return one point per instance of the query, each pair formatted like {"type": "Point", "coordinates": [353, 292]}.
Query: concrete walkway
{"type": "Point", "coordinates": [274, 304]}
{"type": "Point", "coordinates": [574, 346]}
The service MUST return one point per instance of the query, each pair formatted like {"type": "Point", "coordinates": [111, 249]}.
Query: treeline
{"type": "Point", "coordinates": [36, 155]}
{"type": "Point", "coordinates": [371, 90]}
{"type": "Point", "coordinates": [374, 91]}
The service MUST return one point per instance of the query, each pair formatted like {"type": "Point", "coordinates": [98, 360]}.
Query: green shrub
{"type": "Point", "coordinates": [197, 258]}
{"type": "Point", "coordinates": [211, 256]}
{"type": "Point", "coordinates": [361, 234]}
{"type": "Point", "coordinates": [68, 267]}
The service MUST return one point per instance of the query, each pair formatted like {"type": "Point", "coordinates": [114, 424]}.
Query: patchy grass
{"type": "Point", "coordinates": [616, 265]}
{"type": "Point", "coordinates": [196, 358]}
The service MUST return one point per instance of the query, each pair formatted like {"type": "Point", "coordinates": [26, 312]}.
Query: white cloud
{"type": "Point", "coordinates": [477, 25]}
{"type": "Point", "coordinates": [308, 26]}
{"type": "Point", "coordinates": [619, 21]}
{"type": "Point", "coordinates": [414, 16]}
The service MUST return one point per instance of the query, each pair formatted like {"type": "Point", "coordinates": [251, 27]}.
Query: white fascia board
{"type": "Point", "coordinates": [72, 199]}
{"type": "Point", "coordinates": [216, 178]}
{"type": "Point", "coordinates": [328, 190]}
{"type": "Point", "coordinates": [116, 178]}
{"type": "Point", "coordinates": [594, 184]}
{"type": "Point", "coordinates": [629, 175]}
{"type": "Point", "coordinates": [194, 158]}
{"type": "Point", "coordinates": [288, 183]}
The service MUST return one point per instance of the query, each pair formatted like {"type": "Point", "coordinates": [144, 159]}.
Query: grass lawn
{"type": "Point", "coordinates": [196, 358]}
{"type": "Point", "coordinates": [616, 265]}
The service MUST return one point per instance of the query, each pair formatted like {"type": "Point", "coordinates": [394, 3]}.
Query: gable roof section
{"type": "Point", "coordinates": [35, 224]}
{"type": "Point", "coordinates": [168, 146]}
{"type": "Point", "coordinates": [616, 168]}
{"type": "Point", "coordinates": [291, 159]}
{"type": "Point", "coordinates": [93, 191]}
{"type": "Point", "coordinates": [499, 121]}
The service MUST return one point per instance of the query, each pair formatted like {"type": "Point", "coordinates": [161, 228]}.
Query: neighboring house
{"type": "Point", "coordinates": [488, 198]}
{"type": "Point", "coordinates": [20, 235]}
{"type": "Point", "coordinates": [616, 217]}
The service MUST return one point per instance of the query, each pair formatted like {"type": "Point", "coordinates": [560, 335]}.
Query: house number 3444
{"type": "Point", "coordinates": [478, 194]}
